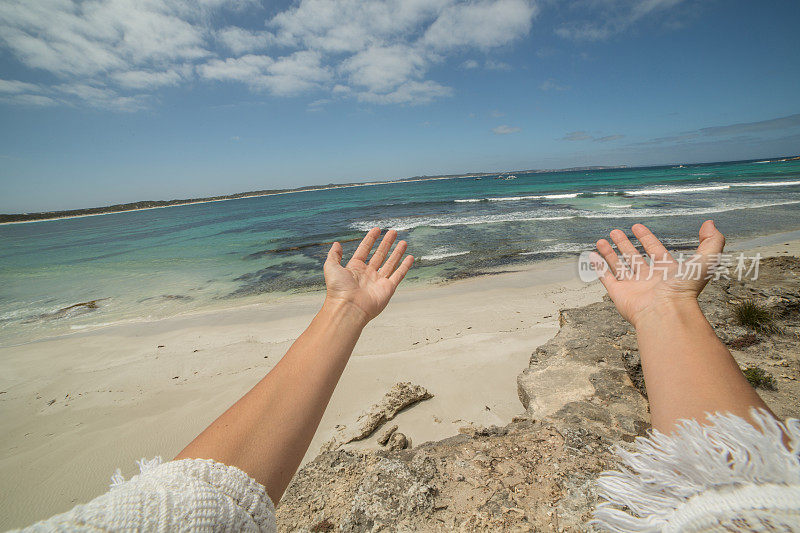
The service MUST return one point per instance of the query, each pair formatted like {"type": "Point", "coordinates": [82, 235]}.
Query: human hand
{"type": "Point", "coordinates": [638, 289]}
{"type": "Point", "coordinates": [366, 287]}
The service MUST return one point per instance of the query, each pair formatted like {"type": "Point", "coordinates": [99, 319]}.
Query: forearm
{"type": "Point", "coordinates": [267, 432]}
{"type": "Point", "coordinates": [688, 371]}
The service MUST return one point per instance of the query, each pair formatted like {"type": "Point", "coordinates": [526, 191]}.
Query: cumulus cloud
{"type": "Point", "coordinates": [113, 53]}
{"type": "Point", "coordinates": [484, 24]}
{"type": "Point", "coordinates": [505, 130]}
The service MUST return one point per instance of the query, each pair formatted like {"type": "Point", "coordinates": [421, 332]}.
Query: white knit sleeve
{"type": "Point", "coordinates": [728, 475]}
{"type": "Point", "coordinates": [185, 495]}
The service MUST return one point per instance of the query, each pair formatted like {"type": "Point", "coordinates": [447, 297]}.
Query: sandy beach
{"type": "Point", "coordinates": [75, 408]}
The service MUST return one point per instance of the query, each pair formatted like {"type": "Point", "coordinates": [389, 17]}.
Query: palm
{"type": "Point", "coordinates": [367, 285]}
{"type": "Point", "coordinates": [636, 286]}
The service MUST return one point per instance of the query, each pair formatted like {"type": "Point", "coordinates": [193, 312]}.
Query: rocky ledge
{"type": "Point", "coordinates": [582, 393]}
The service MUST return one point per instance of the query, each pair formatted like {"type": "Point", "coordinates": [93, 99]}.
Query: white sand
{"type": "Point", "coordinates": [119, 397]}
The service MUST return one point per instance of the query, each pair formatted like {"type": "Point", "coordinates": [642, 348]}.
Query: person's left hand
{"type": "Point", "coordinates": [367, 287]}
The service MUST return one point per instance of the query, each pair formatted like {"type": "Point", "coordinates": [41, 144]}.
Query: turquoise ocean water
{"type": "Point", "coordinates": [149, 264]}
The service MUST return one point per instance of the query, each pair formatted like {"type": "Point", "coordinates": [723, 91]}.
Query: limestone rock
{"type": "Point", "coordinates": [583, 389]}
{"type": "Point", "coordinates": [400, 396]}
{"type": "Point", "coordinates": [386, 435]}
{"type": "Point", "coordinates": [398, 441]}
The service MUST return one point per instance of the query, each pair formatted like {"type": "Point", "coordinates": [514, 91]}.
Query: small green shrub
{"type": "Point", "coordinates": [754, 316]}
{"type": "Point", "coordinates": [759, 378]}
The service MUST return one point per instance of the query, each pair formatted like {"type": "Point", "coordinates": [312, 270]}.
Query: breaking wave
{"type": "Point", "coordinates": [407, 223]}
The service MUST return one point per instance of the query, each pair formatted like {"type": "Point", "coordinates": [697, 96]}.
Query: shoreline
{"type": "Point", "coordinates": [276, 298]}
{"type": "Point", "coordinates": [79, 406]}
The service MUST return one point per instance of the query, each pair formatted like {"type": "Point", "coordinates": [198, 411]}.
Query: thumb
{"type": "Point", "coordinates": [711, 240]}
{"type": "Point", "coordinates": [335, 254]}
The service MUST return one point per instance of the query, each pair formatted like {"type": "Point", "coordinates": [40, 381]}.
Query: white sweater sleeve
{"type": "Point", "coordinates": [185, 495]}
{"type": "Point", "coordinates": [728, 475]}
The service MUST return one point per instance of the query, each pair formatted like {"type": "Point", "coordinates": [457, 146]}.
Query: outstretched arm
{"type": "Point", "coordinates": [267, 432]}
{"type": "Point", "coordinates": [687, 370]}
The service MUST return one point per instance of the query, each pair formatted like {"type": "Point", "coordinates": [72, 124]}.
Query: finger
{"type": "Point", "coordinates": [610, 256]}
{"type": "Point", "coordinates": [629, 252]}
{"type": "Point", "coordinates": [402, 270]}
{"type": "Point", "coordinates": [712, 241]}
{"type": "Point", "coordinates": [335, 254]}
{"type": "Point", "coordinates": [362, 252]}
{"type": "Point", "coordinates": [383, 249]}
{"type": "Point", "coordinates": [652, 245]}
{"type": "Point", "coordinates": [394, 259]}
{"type": "Point", "coordinates": [604, 273]}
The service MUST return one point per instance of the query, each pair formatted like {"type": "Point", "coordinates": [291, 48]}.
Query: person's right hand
{"type": "Point", "coordinates": [367, 286]}
{"type": "Point", "coordinates": [638, 289]}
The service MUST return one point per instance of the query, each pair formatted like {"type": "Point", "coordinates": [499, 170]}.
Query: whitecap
{"type": "Point", "coordinates": [441, 253]}
{"type": "Point", "coordinates": [519, 198]}
{"type": "Point", "coordinates": [676, 190]}
{"type": "Point", "coordinates": [787, 183]}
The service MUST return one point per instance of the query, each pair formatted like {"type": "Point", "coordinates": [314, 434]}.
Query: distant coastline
{"type": "Point", "coordinates": [156, 204]}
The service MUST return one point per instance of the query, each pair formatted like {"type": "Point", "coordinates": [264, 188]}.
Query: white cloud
{"type": "Point", "coordinates": [602, 19]}
{"type": "Point", "coordinates": [246, 69]}
{"type": "Point", "coordinates": [577, 136]}
{"type": "Point", "coordinates": [381, 69]}
{"type": "Point", "coordinates": [240, 41]}
{"type": "Point", "coordinates": [491, 64]}
{"type": "Point", "coordinates": [298, 72]}
{"type": "Point", "coordinates": [287, 75]}
{"type": "Point", "coordinates": [553, 85]}
{"type": "Point", "coordinates": [482, 24]}
{"type": "Point", "coordinates": [505, 130]}
{"type": "Point", "coordinates": [609, 138]}
{"type": "Point", "coordinates": [142, 79]}
{"type": "Point", "coordinates": [338, 26]}
{"type": "Point", "coordinates": [102, 97]}
{"type": "Point", "coordinates": [116, 54]}
{"type": "Point", "coordinates": [582, 135]}
{"type": "Point", "coordinates": [412, 92]}
{"type": "Point", "coordinates": [16, 87]}
{"type": "Point", "coordinates": [33, 100]}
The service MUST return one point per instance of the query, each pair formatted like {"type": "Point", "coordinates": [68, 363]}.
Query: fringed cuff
{"type": "Point", "coordinates": [727, 472]}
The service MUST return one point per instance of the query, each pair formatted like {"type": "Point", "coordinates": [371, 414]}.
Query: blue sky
{"type": "Point", "coordinates": [106, 101]}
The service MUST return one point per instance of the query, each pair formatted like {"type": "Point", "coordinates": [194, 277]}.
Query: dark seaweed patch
{"type": "Point", "coordinates": [69, 311]}
{"type": "Point", "coordinates": [262, 253]}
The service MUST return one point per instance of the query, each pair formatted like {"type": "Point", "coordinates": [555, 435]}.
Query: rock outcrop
{"type": "Point", "coordinates": [399, 397]}
{"type": "Point", "coordinates": [583, 394]}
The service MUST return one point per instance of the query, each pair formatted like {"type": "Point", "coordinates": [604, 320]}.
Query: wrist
{"type": "Point", "coordinates": [343, 310]}
{"type": "Point", "coordinates": [666, 310]}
